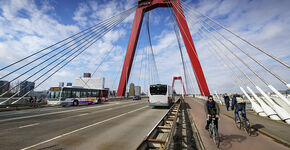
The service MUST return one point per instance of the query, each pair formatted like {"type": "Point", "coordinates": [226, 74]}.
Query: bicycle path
{"type": "Point", "coordinates": [231, 136]}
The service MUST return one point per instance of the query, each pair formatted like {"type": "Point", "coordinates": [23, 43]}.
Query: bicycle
{"type": "Point", "coordinates": [244, 124]}
{"type": "Point", "coordinates": [213, 132]}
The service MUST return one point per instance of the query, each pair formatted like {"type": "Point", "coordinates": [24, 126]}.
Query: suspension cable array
{"type": "Point", "coordinates": [60, 54]}
{"type": "Point", "coordinates": [267, 105]}
{"type": "Point", "coordinates": [180, 49]}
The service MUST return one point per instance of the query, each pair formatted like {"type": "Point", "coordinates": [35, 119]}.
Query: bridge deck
{"type": "Point", "coordinates": [233, 138]}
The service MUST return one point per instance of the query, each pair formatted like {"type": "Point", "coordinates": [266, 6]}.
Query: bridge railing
{"type": "Point", "coordinates": [161, 135]}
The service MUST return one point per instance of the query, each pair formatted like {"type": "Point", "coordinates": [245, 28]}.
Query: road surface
{"type": "Point", "coordinates": [114, 125]}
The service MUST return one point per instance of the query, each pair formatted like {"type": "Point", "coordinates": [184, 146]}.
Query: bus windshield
{"type": "Point", "coordinates": [54, 93]}
{"type": "Point", "coordinates": [158, 89]}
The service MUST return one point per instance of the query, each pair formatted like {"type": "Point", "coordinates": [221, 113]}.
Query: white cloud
{"type": "Point", "coordinates": [80, 14]}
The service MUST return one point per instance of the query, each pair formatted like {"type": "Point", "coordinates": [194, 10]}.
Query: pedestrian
{"type": "Point", "coordinates": [233, 103]}
{"type": "Point", "coordinates": [227, 101]}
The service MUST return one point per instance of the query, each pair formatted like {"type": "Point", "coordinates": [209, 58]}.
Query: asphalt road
{"type": "Point", "coordinates": [114, 125]}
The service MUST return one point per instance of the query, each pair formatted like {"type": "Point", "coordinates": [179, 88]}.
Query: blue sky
{"type": "Point", "coordinates": [27, 26]}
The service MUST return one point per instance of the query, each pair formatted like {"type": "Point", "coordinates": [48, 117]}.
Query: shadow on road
{"type": "Point", "coordinates": [227, 140]}
{"type": "Point", "coordinates": [255, 128]}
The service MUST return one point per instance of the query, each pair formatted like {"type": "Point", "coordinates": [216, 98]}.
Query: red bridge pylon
{"type": "Point", "coordinates": [145, 6]}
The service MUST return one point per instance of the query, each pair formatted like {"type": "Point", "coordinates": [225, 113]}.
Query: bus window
{"type": "Point", "coordinates": [66, 93]}
{"type": "Point", "coordinates": [83, 93]}
{"type": "Point", "coordinates": [89, 93]}
{"type": "Point", "coordinates": [94, 93]}
{"type": "Point", "coordinates": [158, 90]}
{"type": "Point", "coordinates": [56, 94]}
{"type": "Point", "coordinates": [76, 94]}
{"type": "Point", "coordinates": [51, 94]}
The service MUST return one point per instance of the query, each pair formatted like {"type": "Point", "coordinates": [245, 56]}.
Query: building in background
{"type": "Point", "coordinates": [68, 84]}
{"type": "Point", "coordinates": [61, 84]}
{"type": "Point", "coordinates": [92, 83]}
{"type": "Point", "coordinates": [4, 86]}
{"type": "Point", "coordinates": [132, 89]}
{"type": "Point", "coordinates": [137, 90]}
{"type": "Point", "coordinates": [25, 87]}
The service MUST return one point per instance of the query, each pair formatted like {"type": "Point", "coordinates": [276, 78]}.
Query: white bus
{"type": "Point", "coordinates": [160, 95]}
{"type": "Point", "coordinates": [73, 96]}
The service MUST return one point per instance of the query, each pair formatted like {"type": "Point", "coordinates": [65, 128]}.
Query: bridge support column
{"type": "Point", "coordinates": [130, 51]}
{"type": "Point", "coordinates": [187, 39]}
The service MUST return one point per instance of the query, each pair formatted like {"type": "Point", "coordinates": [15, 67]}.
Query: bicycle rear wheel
{"type": "Point", "coordinates": [238, 124]}
{"type": "Point", "coordinates": [247, 128]}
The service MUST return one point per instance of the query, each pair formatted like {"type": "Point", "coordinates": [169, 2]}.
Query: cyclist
{"type": "Point", "coordinates": [240, 105]}
{"type": "Point", "coordinates": [212, 109]}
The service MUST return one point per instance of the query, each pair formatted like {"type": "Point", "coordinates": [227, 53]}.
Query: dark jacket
{"type": "Point", "coordinates": [227, 99]}
{"type": "Point", "coordinates": [212, 109]}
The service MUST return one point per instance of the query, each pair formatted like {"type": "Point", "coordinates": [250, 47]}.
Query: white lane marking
{"type": "Point", "coordinates": [60, 136]}
{"type": "Point", "coordinates": [24, 117]}
{"type": "Point", "coordinates": [34, 124]}
{"type": "Point", "coordinates": [82, 114]}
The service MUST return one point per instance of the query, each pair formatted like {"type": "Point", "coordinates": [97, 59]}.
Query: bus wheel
{"type": "Point", "coordinates": [76, 103]}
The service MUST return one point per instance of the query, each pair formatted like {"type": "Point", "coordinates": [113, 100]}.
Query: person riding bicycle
{"type": "Point", "coordinates": [240, 105]}
{"type": "Point", "coordinates": [212, 109]}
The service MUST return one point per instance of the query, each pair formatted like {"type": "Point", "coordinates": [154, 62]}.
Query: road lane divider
{"type": "Point", "coordinates": [66, 111]}
{"type": "Point", "coordinates": [30, 125]}
{"type": "Point", "coordinates": [82, 114]}
{"type": "Point", "coordinates": [83, 128]}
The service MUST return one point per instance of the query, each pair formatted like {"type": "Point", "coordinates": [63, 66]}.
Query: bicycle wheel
{"type": "Point", "coordinates": [238, 124]}
{"type": "Point", "coordinates": [210, 130]}
{"type": "Point", "coordinates": [247, 127]}
{"type": "Point", "coordinates": [216, 138]}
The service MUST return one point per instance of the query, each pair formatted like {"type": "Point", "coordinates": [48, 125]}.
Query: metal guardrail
{"type": "Point", "coordinates": [161, 135]}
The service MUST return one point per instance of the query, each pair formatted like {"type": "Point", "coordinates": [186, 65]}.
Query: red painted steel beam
{"type": "Point", "coordinates": [130, 51]}
{"type": "Point", "coordinates": [147, 5]}
{"type": "Point", "coordinates": [187, 39]}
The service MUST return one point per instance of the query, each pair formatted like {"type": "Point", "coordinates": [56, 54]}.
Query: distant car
{"type": "Point", "coordinates": [137, 98]}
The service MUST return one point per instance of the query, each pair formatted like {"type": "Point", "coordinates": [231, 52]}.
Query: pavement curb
{"type": "Point", "coordinates": [277, 139]}
{"type": "Point", "coordinates": [195, 128]}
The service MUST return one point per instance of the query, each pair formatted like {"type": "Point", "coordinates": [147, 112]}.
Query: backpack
{"type": "Point", "coordinates": [240, 100]}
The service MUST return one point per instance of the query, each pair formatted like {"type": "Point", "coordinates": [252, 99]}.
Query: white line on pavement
{"type": "Point", "coordinates": [60, 136]}
{"type": "Point", "coordinates": [34, 124]}
{"type": "Point", "coordinates": [82, 114]}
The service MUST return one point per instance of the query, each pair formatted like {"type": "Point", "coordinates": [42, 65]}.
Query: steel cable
{"type": "Point", "coordinates": [89, 44]}
{"type": "Point", "coordinates": [253, 45]}
{"type": "Point", "coordinates": [54, 44]}
{"type": "Point", "coordinates": [51, 63]}
{"type": "Point", "coordinates": [247, 54]}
